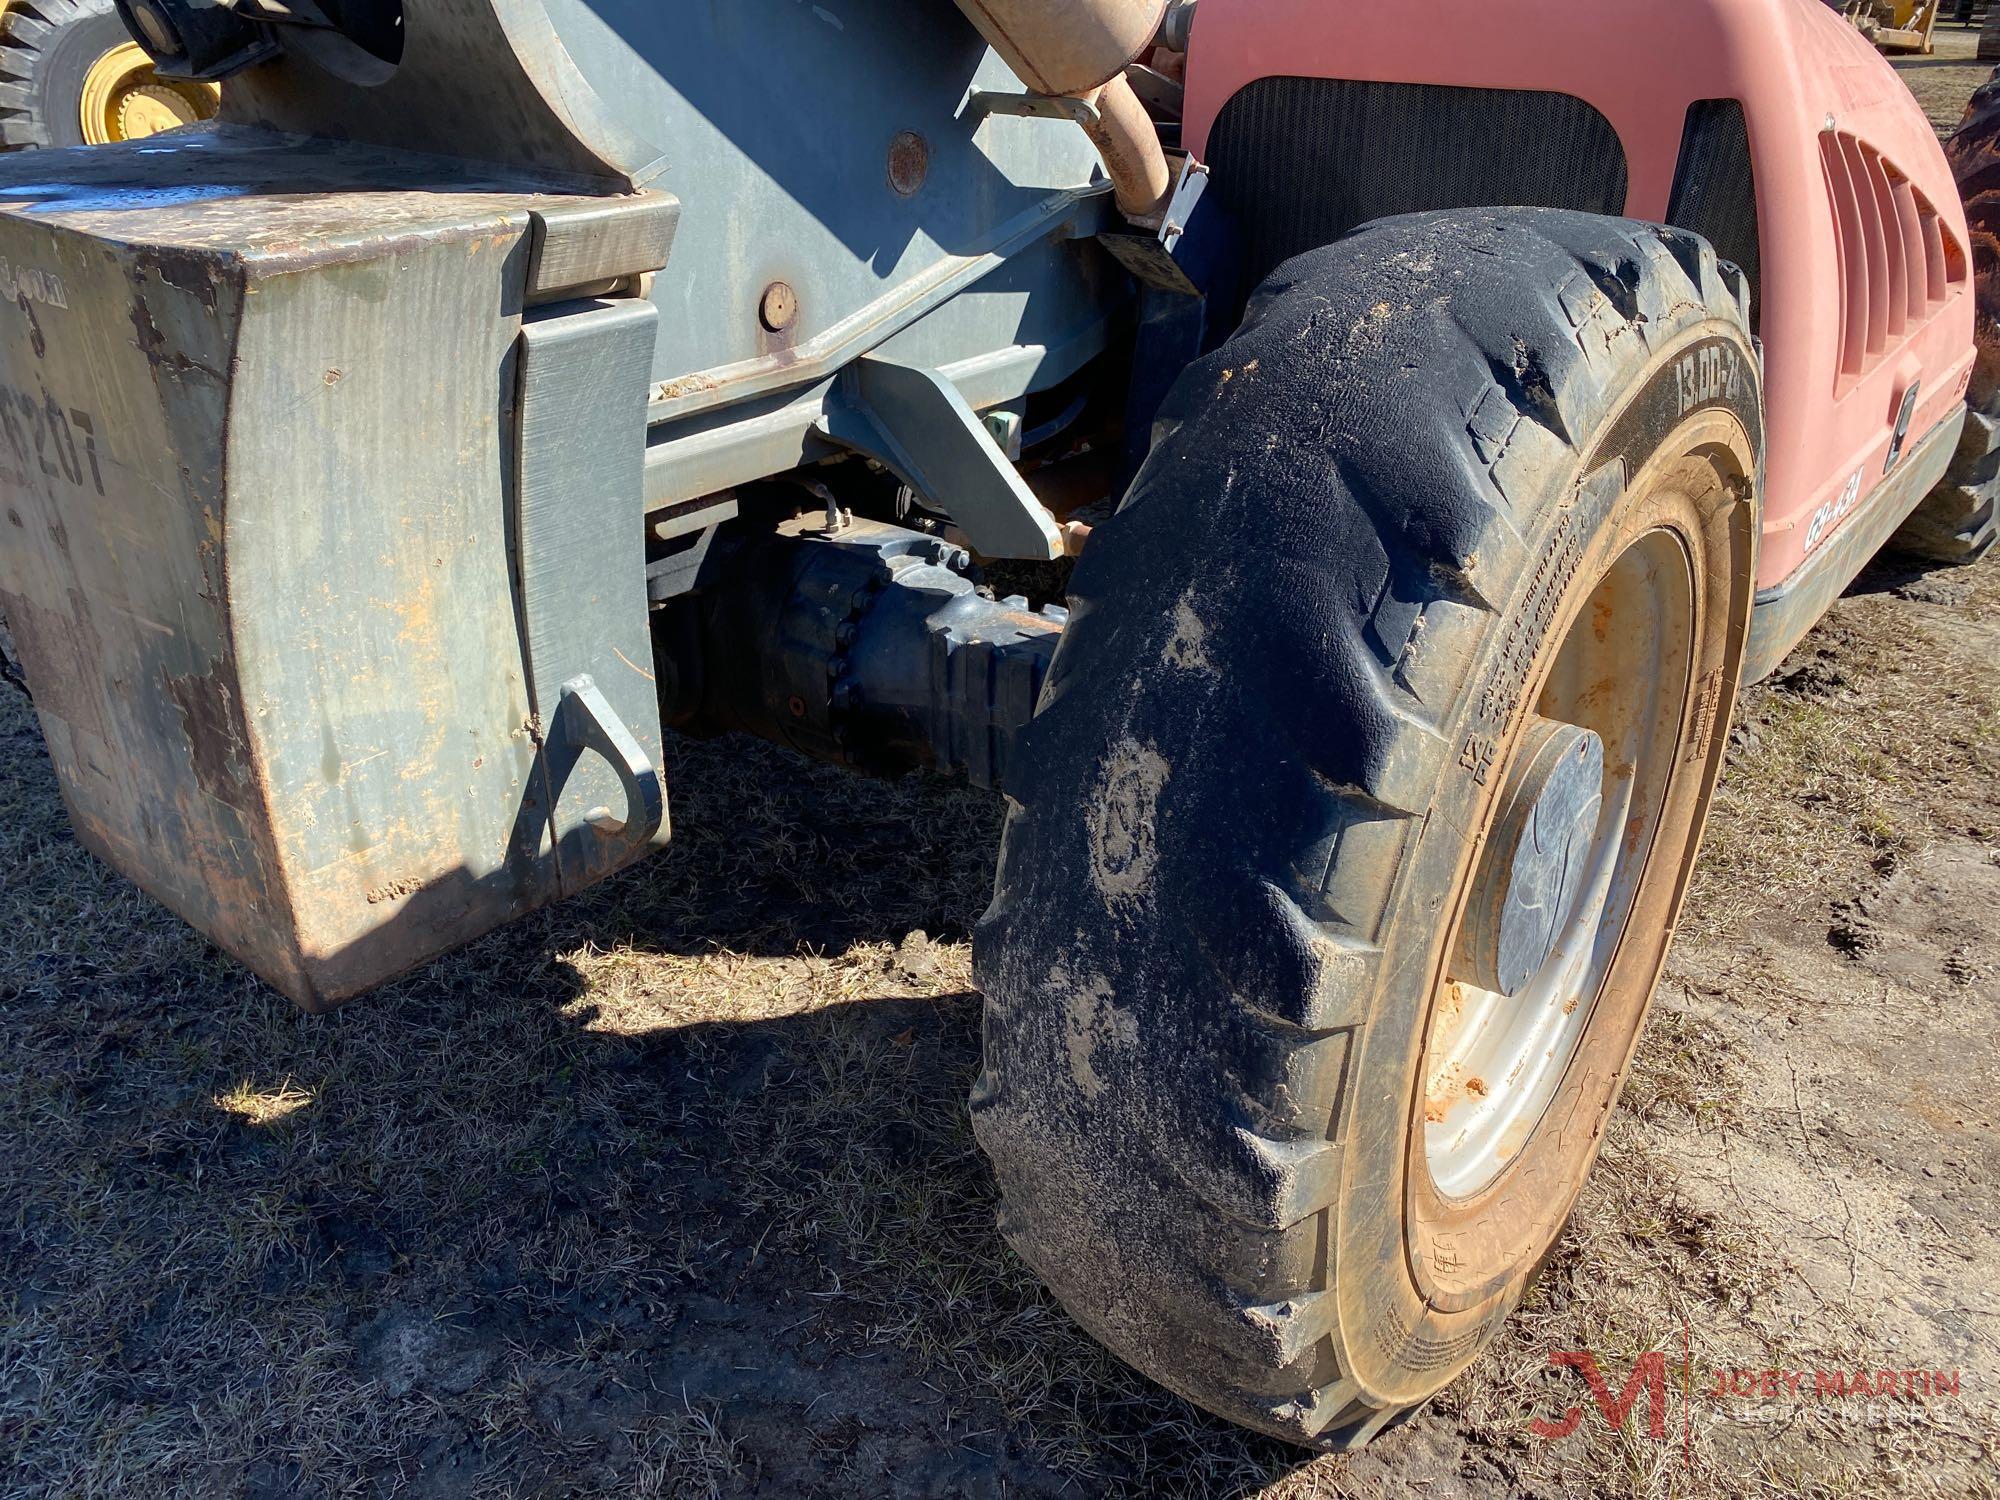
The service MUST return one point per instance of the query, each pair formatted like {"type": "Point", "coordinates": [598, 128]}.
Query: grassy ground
{"type": "Point", "coordinates": [673, 1193]}
{"type": "Point", "coordinates": [670, 1191]}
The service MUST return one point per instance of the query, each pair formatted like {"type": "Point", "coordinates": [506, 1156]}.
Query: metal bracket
{"type": "Point", "coordinates": [580, 580]}
{"type": "Point", "coordinates": [597, 241]}
{"type": "Point", "coordinates": [1033, 106]}
{"type": "Point", "coordinates": [1165, 98]}
{"type": "Point", "coordinates": [1159, 259]}
{"type": "Point", "coordinates": [1180, 207]}
{"type": "Point", "coordinates": [915, 422]}
{"type": "Point", "coordinates": [584, 721]}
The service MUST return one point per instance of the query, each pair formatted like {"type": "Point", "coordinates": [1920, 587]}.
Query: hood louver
{"type": "Point", "coordinates": [1897, 259]}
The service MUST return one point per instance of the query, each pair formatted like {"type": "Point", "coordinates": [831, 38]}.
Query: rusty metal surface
{"type": "Point", "coordinates": [909, 163]}
{"type": "Point", "coordinates": [1063, 46]}
{"type": "Point", "coordinates": [277, 637]}
{"type": "Point", "coordinates": [253, 459]}
{"type": "Point", "coordinates": [1129, 142]}
{"type": "Point", "coordinates": [247, 195]}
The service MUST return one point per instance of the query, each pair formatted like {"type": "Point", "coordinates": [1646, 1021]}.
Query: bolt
{"type": "Point", "coordinates": [845, 633]}
{"type": "Point", "coordinates": [780, 305]}
{"type": "Point", "coordinates": [843, 697]}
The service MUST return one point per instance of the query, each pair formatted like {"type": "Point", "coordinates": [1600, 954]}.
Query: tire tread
{"type": "Point", "coordinates": [1274, 963]}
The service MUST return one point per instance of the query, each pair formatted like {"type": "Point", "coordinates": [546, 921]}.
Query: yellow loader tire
{"type": "Point", "coordinates": [71, 75]}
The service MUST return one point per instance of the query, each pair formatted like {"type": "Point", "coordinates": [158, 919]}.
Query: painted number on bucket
{"type": "Point", "coordinates": [42, 435]}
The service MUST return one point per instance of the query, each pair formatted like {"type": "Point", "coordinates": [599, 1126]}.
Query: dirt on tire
{"type": "Point", "coordinates": [1252, 793]}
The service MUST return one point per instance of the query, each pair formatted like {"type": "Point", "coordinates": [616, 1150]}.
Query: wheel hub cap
{"type": "Point", "coordinates": [1535, 861]}
{"type": "Point", "coordinates": [1566, 841]}
{"type": "Point", "coordinates": [124, 100]}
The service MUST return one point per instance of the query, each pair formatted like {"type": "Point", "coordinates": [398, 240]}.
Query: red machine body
{"type": "Point", "coordinates": [1864, 294]}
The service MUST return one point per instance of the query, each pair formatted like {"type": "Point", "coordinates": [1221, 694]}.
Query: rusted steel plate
{"type": "Point", "coordinates": [255, 449]}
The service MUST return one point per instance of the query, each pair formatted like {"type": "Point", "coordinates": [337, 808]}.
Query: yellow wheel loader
{"type": "Point", "coordinates": [71, 75]}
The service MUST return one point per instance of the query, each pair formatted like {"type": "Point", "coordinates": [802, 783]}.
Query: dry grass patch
{"type": "Point", "coordinates": [1859, 750]}
{"type": "Point", "coordinates": [671, 1191]}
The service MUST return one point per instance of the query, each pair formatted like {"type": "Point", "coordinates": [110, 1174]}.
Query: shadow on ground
{"type": "Point", "coordinates": [671, 1191]}
{"type": "Point", "coordinates": [668, 1191]}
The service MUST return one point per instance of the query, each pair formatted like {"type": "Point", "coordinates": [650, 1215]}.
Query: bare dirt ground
{"type": "Point", "coordinates": [671, 1191]}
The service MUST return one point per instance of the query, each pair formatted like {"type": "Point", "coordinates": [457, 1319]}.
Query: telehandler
{"type": "Point", "coordinates": [1449, 407]}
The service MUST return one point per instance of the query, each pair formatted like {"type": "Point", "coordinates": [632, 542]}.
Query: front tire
{"type": "Point", "coordinates": [1467, 494]}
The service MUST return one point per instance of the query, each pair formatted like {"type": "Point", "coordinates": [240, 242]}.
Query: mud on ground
{"type": "Point", "coordinates": [671, 1192]}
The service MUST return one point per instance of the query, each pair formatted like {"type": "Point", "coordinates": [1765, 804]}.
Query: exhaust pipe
{"type": "Point", "coordinates": [1081, 48]}
{"type": "Point", "coordinates": [1125, 138]}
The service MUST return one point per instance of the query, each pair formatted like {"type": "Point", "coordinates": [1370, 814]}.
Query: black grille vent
{"type": "Point", "coordinates": [1715, 191]}
{"type": "Point", "coordinates": [1301, 161]}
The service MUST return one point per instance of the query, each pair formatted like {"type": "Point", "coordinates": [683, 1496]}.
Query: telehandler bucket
{"type": "Point", "coordinates": [271, 427]}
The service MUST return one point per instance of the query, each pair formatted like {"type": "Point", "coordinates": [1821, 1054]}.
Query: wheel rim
{"type": "Point", "coordinates": [1619, 680]}
{"type": "Point", "coordinates": [125, 100]}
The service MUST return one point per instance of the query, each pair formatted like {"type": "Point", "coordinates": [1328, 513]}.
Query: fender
{"type": "Point", "coordinates": [1862, 274]}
